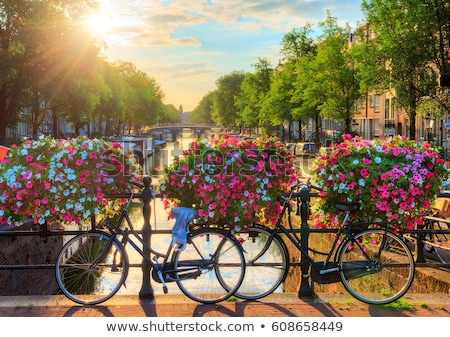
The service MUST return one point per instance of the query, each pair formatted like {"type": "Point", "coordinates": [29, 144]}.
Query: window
{"type": "Point", "coordinates": [376, 103]}
{"type": "Point", "coordinates": [376, 127]}
{"type": "Point", "coordinates": [393, 107]}
{"type": "Point", "coordinates": [386, 109]}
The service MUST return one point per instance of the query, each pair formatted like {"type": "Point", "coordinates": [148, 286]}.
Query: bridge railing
{"type": "Point", "coordinates": [44, 233]}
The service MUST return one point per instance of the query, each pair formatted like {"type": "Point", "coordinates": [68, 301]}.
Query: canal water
{"type": "Point", "coordinates": [162, 157]}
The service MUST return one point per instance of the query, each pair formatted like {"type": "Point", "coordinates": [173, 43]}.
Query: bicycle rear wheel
{"type": "Point", "coordinates": [376, 271]}
{"type": "Point", "coordinates": [211, 267]}
{"type": "Point", "coordinates": [266, 263]}
{"type": "Point", "coordinates": [83, 276]}
{"type": "Point", "coordinates": [440, 239]}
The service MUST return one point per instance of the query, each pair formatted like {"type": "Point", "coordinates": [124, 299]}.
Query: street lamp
{"type": "Point", "coordinates": [429, 129]}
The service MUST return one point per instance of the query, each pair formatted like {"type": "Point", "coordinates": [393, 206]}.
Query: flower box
{"type": "Point", "coordinates": [230, 182]}
{"type": "Point", "coordinates": [63, 180]}
{"type": "Point", "coordinates": [393, 179]}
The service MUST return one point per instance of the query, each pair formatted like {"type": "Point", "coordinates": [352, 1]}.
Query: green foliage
{"type": "Point", "coordinates": [404, 48]}
{"type": "Point", "coordinates": [224, 111]}
{"type": "Point", "coordinates": [49, 62]}
{"type": "Point", "coordinates": [203, 112]}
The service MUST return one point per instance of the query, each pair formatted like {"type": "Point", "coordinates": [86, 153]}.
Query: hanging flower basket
{"type": "Point", "coordinates": [393, 179]}
{"type": "Point", "coordinates": [63, 180]}
{"type": "Point", "coordinates": [230, 182]}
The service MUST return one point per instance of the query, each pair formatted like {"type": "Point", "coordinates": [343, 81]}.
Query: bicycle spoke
{"type": "Point", "coordinates": [218, 266]}
{"type": "Point", "coordinates": [82, 276]}
{"type": "Point", "coordinates": [378, 269]}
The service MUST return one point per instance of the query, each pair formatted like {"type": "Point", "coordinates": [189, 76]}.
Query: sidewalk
{"type": "Point", "coordinates": [275, 305]}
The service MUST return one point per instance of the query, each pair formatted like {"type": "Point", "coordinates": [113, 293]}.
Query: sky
{"type": "Point", "coordinates": [187, 45]}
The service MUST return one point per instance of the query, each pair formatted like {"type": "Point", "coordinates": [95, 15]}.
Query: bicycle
{"type": "Point", "coordinates": [436, 237]}
{"type": "Point", "coordinates": [437, 241]}
{"type": "Point", "coordinates": [374, 265]}
{"type": "Point", "coordinates": [92, 267]}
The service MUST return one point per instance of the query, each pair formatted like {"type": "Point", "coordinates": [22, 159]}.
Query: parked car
{"type": "Point", "coordinates": [305, 148]}
{"type": "Point", "coordinates": [290, 147]}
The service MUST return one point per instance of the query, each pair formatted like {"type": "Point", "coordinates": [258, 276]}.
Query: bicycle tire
{"type": "Point", "coordinates": [78, 280]}
{"type": "Point", "coordinates": [441, 239]}
{"type": "Point", "coordinates": [372, 281]}
{"type": "Point", "coordinates": [211, 267]}
{"type": "Point", "coordinates": [265, 275]}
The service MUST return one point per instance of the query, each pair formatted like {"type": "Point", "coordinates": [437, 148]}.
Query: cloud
{"type": "Point", "coordinates": [160, 23]}
{"type": "Point", "coordinates": [186, 45]}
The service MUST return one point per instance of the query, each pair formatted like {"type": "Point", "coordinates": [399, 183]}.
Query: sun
{"type": "Point", "coordinates": [98, 24]}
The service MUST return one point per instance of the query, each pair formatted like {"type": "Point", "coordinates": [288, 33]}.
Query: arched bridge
{"type": "Point", "coordinates": [163, 131]}
{"type": "Point", "coordinates": [178, 127]}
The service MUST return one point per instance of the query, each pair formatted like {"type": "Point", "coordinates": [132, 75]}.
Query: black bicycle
{"type": "Point", "coordinates": [93, 266]}
{"type": "Point", "coordinates": [435, 235]}
{"type": "Point", "coordinates": [437, 240]}
{"type": "Point", "coordinates": [373, 264]}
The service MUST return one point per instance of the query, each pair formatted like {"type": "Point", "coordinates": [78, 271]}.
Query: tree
{"type": "Point", "coordinates": [112, 103]}
{"type": "Point", "coordinates": [296, 45]}
{"type": "Point", "coordinates": [143, 97]}
{"type": "Point", "coordinates": [203, 112]}
{"type": "Point", "coordinates": [224, 111]}
{"type": "Point", "coordinates": [171, 114]}
{"type": "Point", "coordinates": [309, 92]}
{"type": "Point", "coordinates": [277, 105]}
{"type": "Point", "coordinates": [405, 33]}
{"type": "Point", "coordinates": [32, 36]}
{"type": "Point", "coordinates": [337, 73]}
{"type": "Point", "coordinates": [254, 89]}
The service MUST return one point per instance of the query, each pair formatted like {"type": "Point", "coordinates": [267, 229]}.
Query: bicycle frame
{"type": "Point", "coordinates": [343, 230]}
{"type": "Point", "coordinates": [160, 268]}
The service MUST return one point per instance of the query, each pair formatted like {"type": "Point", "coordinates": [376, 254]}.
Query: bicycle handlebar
{"type": "Point", "coordinates": [301, 186]}
{"type": "Point", "coordinates": [308, 185]}
{"type": "Point", "coordinates": [138, 185]}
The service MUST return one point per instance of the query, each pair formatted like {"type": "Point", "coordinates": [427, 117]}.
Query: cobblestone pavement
{"type": "Point", "coordinates": [276, 305]}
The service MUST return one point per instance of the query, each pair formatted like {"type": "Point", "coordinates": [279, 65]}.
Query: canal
{"type": "Point", "coordinates": [162, 157]}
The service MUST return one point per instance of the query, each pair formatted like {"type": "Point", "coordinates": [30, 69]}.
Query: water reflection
{"type": "Point", "coordinates": [162, 157]}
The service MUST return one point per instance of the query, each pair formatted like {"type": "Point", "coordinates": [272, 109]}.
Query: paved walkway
{"type": "Point", "coordinates": [276, 305]}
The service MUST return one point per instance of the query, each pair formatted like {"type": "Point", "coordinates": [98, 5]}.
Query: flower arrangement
{"type": "Point", "coordinates": [393, 179]}
{"type": "Point", "coordinates": [63, 180]}
{"type": "Point", "coordinates": [230, 182]}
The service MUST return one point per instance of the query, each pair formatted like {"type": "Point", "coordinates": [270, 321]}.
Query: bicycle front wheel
{"type": "Point", "coordinates": [89, 270]}
{"type": "Point", "coordinates": [266, 263]}
{"type": "Point", "coordinates": [376, 268]}
{"type": "Point", "coordinates": [211, 267]}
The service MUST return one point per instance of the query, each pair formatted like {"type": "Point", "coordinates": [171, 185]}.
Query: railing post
{"type": "Point", "coordinates": [418, 249]}
{"type": "Point", "coordinates": [305, 289]}
{"type": "Point", "coordinates": [146, 292]}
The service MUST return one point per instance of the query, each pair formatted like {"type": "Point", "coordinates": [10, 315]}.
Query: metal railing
{"type": "Point", "coordinates": [146, 291]}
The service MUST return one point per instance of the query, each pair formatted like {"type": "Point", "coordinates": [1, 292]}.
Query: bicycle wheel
{"type": "Point", "coordinates": [211, 267]}
{"type": "Point", "coordinates": [86, 278]}
{"type": "Point", "coordinates": [266, 263]}
{"type": "Point", "coordinates": [376, 271]}
{"type": "Point", "coordinates": [440, 239]}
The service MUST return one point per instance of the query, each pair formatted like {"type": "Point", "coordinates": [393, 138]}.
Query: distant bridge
{"type": "Point", "coordinates": [181, 126]}
{"type": "Point", "coordinates": [159, 131]}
